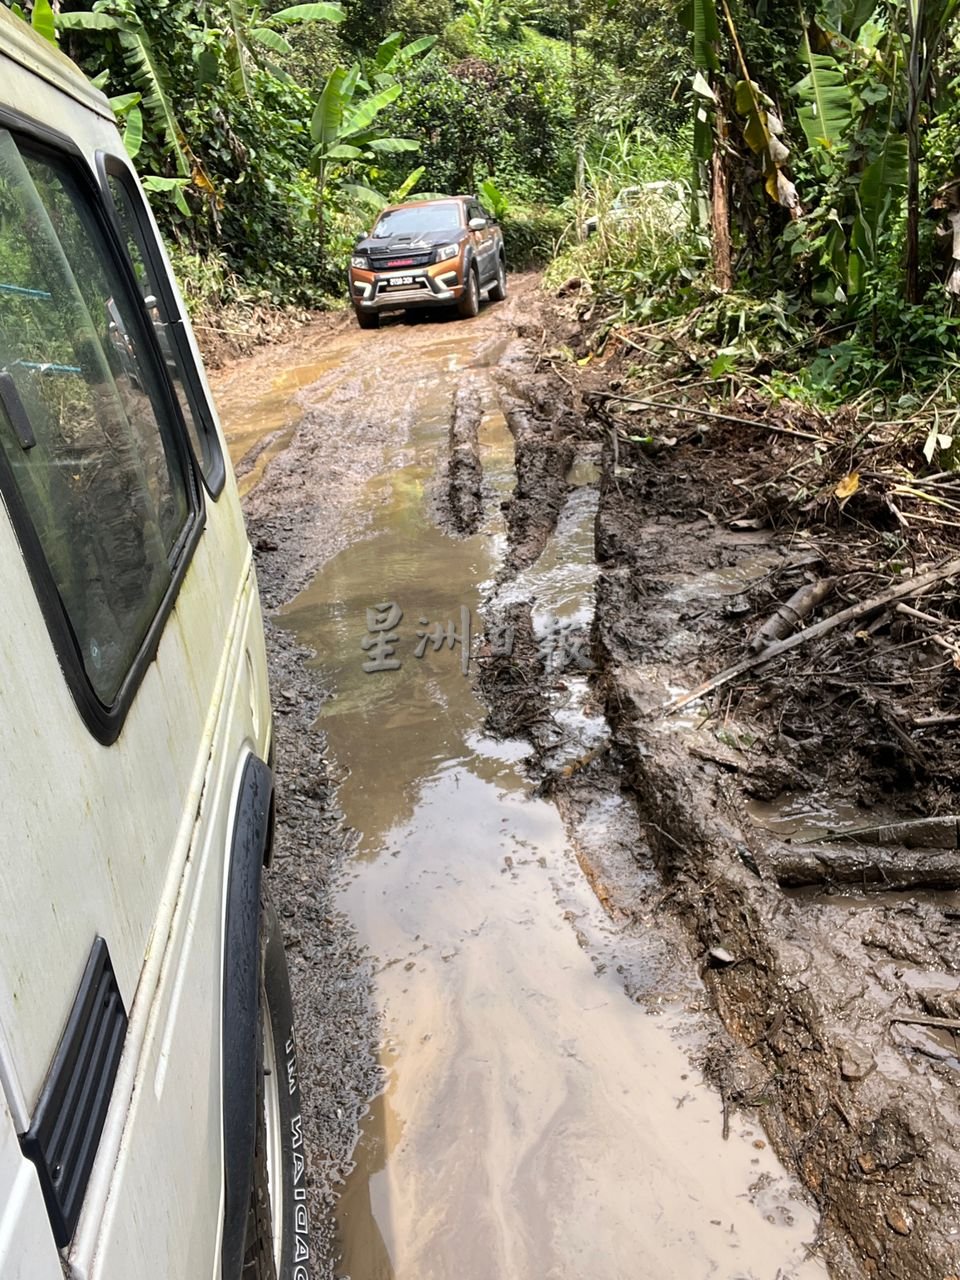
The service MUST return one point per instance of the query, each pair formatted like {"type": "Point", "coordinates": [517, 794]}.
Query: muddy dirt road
{"type": "Point", "coordinates": [505, 1029]}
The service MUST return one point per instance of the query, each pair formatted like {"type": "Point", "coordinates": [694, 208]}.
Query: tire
{"type": "Point", "coordinates": [498, 290]}
{"type": "Point", "coordinates": [469, 303]}
{"type": "Point", "coordinates": [367, 319]}
{"type": "Point", "coordinates": [277, 1245]}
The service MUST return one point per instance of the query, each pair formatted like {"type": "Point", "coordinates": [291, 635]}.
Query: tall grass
{"type": "Point", "coordinates": [633, 253]}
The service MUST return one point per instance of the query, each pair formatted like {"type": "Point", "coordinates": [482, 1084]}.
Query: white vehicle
{"type": "Point", "coordinates": [149, 1099]}
{"type": "Point", "coordinates": [667, 201]}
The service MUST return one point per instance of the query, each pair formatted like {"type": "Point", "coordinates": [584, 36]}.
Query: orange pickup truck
{"type": "Point", "coordinates": [428, 253]}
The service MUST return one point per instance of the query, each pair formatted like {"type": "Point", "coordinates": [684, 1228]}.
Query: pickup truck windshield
{"type": "Point", "coordinates": [414, 221]}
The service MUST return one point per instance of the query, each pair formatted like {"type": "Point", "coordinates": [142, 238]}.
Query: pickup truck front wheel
{"type": "Point", "coordinates": [367, 319]}
{"type": "Point", "coordinates": [469, 303]}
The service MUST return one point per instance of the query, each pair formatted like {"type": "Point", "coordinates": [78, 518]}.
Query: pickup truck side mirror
{"type": "Point", "coordinates": [477, 224]}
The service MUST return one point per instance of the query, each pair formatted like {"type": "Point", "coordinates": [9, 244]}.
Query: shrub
{"type": "Point", "coordinates": [531, 235]}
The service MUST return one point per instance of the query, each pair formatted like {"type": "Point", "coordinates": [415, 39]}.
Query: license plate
{"type": "Point", "coordinates": [402, 279]}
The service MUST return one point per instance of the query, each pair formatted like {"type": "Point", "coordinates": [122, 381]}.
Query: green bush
{"type": "Point", "coordinates": [531, 235]}
{"type": "Point", "coordinates": [419, 17]}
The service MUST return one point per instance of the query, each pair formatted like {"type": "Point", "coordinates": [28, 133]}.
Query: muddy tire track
{"type": "Point", "coordinates": [349, 408]}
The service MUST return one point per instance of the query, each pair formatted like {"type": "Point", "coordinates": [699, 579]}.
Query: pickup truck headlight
{"type": "Point", "coordinates": [448, 251]}
{"type": "Point", "coordinates": [359, 260]}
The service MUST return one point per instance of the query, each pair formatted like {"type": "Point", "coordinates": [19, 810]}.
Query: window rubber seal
{"type": "Point", "coordinates": [110, 165]}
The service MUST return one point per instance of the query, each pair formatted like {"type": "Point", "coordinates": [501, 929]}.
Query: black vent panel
{"type": "Point", "coordinates": [383, 261]}
{"type": "Point", "coordinates": [65, 1132]}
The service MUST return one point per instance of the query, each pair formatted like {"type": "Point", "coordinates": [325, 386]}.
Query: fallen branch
{"type": "Point", "coordinates": [758, 423]}
{"type": "Point", "coordinates": [909, 612]}
{"type": "Point", "coordinates": [901, 591]}
{"type": "Point", "coordinates": [920, 1020]}
{"type": "Point", "coordinates": [792, 612]}
{"type": "Point", "coordinates": [915, 833]}
{"type": "Point", "coordinates": [797, 866]}
{"type": "Point", "coordinates": [941, 641]}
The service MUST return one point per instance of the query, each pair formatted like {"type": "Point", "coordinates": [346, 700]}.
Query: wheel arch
{"type": "Point", "coordinates": [249, 851]}
{"type": "Point", "coordinates": [470, 263]}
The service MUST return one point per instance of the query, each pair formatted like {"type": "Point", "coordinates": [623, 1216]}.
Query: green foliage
{"type": "Point", "coordinates": [493, 198]}
{"type": "Point", "coordinates": [893, 352]}
{"type": "Point", "coordinates": [269, 129]}
{"type": "Point", "coordinates": [531, 234]}
{"type": "Point", "coordinates": [828, 104]}
{"type": "Point", "coordinates": [628, 235]}
{"type": "Point", "coordinates": [512, 119]}
{"type": "Point", "coordinates": [419, 17]}
{"type": "Point", "coordinates": [637, 64]}
{"type": "Point", "coordinates": [42, 20]}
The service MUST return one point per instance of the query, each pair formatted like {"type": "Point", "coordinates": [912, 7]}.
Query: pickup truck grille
{"type": "Point", "coordinates": [397, 260]}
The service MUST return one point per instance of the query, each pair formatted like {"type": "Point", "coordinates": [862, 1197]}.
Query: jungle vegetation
{"type": "Point", "coordinates": [796, 163]}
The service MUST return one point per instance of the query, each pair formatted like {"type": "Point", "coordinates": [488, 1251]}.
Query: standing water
{"type": "Point", "coordinates": [540, 1117]}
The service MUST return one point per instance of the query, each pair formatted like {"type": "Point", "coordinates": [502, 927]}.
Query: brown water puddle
{"type": "Point", "coordinates": [260, 410]}
{"type": "Point", "coordinates": [541, 1116]}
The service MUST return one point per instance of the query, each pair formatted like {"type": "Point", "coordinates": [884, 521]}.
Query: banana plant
{"type": "Point", "coordinates": [391, 59]}
{"type": "Point", "coordinates": [881, 185]}
{"type": "Point", "coordinates": [345, 137]}
{"type": "Point", "coordinates": [493, 198]}
{"type": "Point", "coordinates": [253, 36]}
{"type": "Point", "coordinates": [151, 100]}
{"type": "Point", "coordinates": [710, 186]}
{"type": "Point", "coordinates": [826, 105]}
{"type": "Point", "coordinates": [41, 18]}
{"type": "Point", "coordinates": [121, 19]}
{"type": "Point", "coordinates": [760, 125]}
{"type": "Point", "coordinates": [374, 200]}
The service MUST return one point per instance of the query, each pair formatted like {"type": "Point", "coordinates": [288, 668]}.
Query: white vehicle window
{"type": "Point", "coordinates": [82, 428]}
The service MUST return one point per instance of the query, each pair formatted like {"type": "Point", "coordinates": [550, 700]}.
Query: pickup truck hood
{"type": "Point", "coordinates": [408, 242]}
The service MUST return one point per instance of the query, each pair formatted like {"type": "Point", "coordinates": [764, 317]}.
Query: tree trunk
{"type": "Point", "coordinates": [720, 207]}
{"type": "Point", "coordinates": [321, 224]}
{"type": "Point", "coordinates": [912, 254]}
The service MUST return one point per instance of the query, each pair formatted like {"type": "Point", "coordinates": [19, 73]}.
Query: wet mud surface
{"type": "Point", "coordinates": [837, 996]}
{"type": "Point", "coordinates": [563, 1011]}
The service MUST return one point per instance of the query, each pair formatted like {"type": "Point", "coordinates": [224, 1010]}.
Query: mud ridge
{"type": "Point", "coordinates": [464, 472]}
{"type": "Point", "coordinates": [516, 705]}
{"type": "Point", "coordinates": [537, 419]}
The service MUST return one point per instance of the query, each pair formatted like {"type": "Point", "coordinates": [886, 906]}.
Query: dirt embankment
{"type": "Point", "coordinates": [800, 819]}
